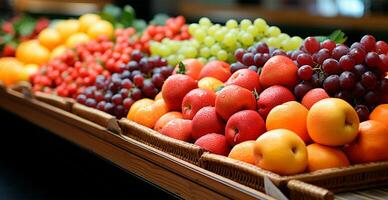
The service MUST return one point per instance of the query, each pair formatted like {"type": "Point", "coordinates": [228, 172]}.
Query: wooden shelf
{"type": "Point", "coordinates": [177, 176]}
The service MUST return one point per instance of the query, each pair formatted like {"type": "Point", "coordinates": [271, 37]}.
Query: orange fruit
{"type": "Point", "coordinates": [192, 68]}
{"type": "Point", "coordinates": [210, 83]}
{"type": "Point", "coordinates": [59, 50]}
{"type": "Point", "coordinates": [380, 113]}
{"type": "Point", "coordinates": [10, 69]}
{"type": "Point", "coordinates": [149, 115]}
{"type": "Point", "coordinates": [313, 96]}
{"type": "Point", "coordinates": [323, 157]}
{"type": "Point", "coordinates": [279, 70]}
{"type": "Point", "coordinates": [244, 152]}
{"type": "Point", "coordinates": [179, 129]}
{"type": "Point", "coordinates": [159, 96]}
{"type": "Point", "coordinates": [163, 120]}
{"type": "Point", "coordinates": [31, 52]}
{"type": "Point", "coordinates": [99, 28]}
{"type": "Point", "coordinates": [86, 20]}
{"type": "Point", "coordinates": [291, 116]}
{"type": "Point", "coordinates": [50, 38]}
{"type": "Point", "coordinates": [66, 28]}
{"type": "Point", "coordinates": [137, 105]}
{"type": "Point", "coordinates": [76, 39]}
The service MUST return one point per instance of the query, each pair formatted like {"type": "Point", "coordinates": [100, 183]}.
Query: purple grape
{"type": "Point", "coordinates": [331, 84]}
{"type": "Point", "coordinates": [369, 80]}
{"type": "Point", "coordinates": [236, 66]}
{"type": "Point", "coordinates": [347, 80]}
{"type": "Point", "coordinates": [119, 111]}
{"type": "Point", "coordinates": [344, 95]}
{"type": "Point", "coordinates": [127, 103]}
{"type": "Point", "coordinates": [117, 99]}
{"type": "Point", "coordinates": [262, 48]}
{"type": "Point", "coordinates": [372, 98]}
{"type": "Point", "coordinates": [253, 68]}
{"type": "Point", "coordinates": [317, 80]}
{"type": "Point", "coordinates": [339, 51]}
{"type": "Point", "coordinates": [330, 66]}
{"type": "Point", "coordinates": [136, 94]}
{"type": "Point", "coordinates": [124, 92]}
{"type": "Point", "coordinates": [239, 53]}
{"type": "Point", "coordinates": [302, 88]}
{"type": "Point", "coordinates": [372, 59]}
{"type": "Point", "coordinates": [362, 112]}
{"type": "Point", "coordinates": [358, 46]}
{"type": "Point", "coordinates": [346, 63]}
{"type": "Point", "coordinates": [158, 80]}
{"type": "Point", "coordinates": [247, 59]}
{"type": "Point", "coordinates": [126, 83]}
{"type": "Point", "coordinates": [101, 105]}
{"type": "Point", "coordinates": [133, 65]}
{"type": "Point", "coordinates": [81, 99]}
{"type": "Point", "coordinates": [149, 89]}
{"type": "Point", "coordinates": [359, 70]}
{"type": "Point", "coordinates": [305, 59]}
{"type": "Point", "coordinates": [109, 107]}
{"type": "Point", "coordinates": [136, 55]}
{"type": "Point", "coordinates": [90, 102]}
{"type": "Point", "coordinates": [359, 90]}
{"type": "Point", "coordinates": [358, 55]}
{"type": "Point", "coordinates": [305, 72]}
{"type": "Point", "coordinates": [321, 56]}
{"type": "Point", "coordinates": [279, 52]}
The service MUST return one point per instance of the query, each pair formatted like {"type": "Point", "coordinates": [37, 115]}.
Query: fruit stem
{"type": "Point", "coordinates": [181, 69]}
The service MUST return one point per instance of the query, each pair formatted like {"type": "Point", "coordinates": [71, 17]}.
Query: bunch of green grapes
{"type": "Point", "coordinates": [216, 42]}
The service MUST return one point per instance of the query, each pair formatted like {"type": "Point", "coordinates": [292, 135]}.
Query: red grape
{"type": "Point", "coordinates": [347, 80]}
{"type": "Point", "coordinates": [383, 65]}
{"type": "Point", "coordinates": [382, 47]}
{"type": "Point", "coordinates": [127, 103]}
{"type": "Point", "coordinates": [248, 59]}
{"type": "Point", "coordinates": [90, 102]}
{"type": "Point", "coordinates": [331, 84]}
{"type": "Point", "coordinates": [262, 48]}
{"type": "Point", "coordinates": [358, 55]}
{"type": "Point", "coordinates": [311, 45]}
{"type": "Point", "coordinates": [369, 42]}
{"type": "Point", "coordinates": [117, 99]}
{"type": "Point", "coordinates": [302, 88]}
{"type": "Point", "coordinates": [346, 63]}
{"type": "Point", "coordinates": [339, 51]}
{"type": "Point", "coordinates": [328, 44]}
{"type": "Point", "coordinates": [330, 66]}
{"type": "Point", "coordinates": [345, 95]}
{"type": "Point", "coordinates": [238, 54]}
{"type": "Point", "coordinates": [362, 112]}
{"type": "Point", "coordinates": [372, 59]}
{"type": "Point", "coordinates": [305, 72]}
{"type": "Point", "coordinates": [304, 59]}
{"type": "Point", "coordinates": [321, 56]}
{"type": "Point", "coordinates": [369, 80]}
{"type": "Point", "coordinates": [372, 98]}
{"type": "Point", "coordinates": [359, 90]}
{"type": "Point", "coordinates": [237, 65]}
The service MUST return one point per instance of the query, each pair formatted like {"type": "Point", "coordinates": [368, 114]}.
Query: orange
{"type": "Point", "coordinates": [380, 113]}
{"type": "Point", "coordinates": [244, 152]}
{"type": "Point", "coordinates": [99, 28]}
{"type": "Point", "coordinates": [163, 120]}
{"type": "Point", "coordinates": [50, 38]}
{"type": "Point", "coordinates": [159, 96]}
{"type": "Point", "coordinates": [291, 116]}
{"type": "Point", "coordinates": [149, 115]}
{"type": "Point", "coordinates": [87, 20]}
{"type": "Point", "coordinates": [279, 70]}
{"type": "Point", "coordinates": [10, 69]}
{"type": "Point", "coordinates": [137, 105]}
{"type": "Point", "coordinates": [210, 83]}
{"type": "Point", "coordinates": [323, 157]}
{"type": "Point", "coordinates": [76, 39]}
{"type": "Point", "coordinates": [313, 96]}
{"type": "Point", "coordinates": [67, 28]}
{"type": "Point", "coordinates": [31, 52]}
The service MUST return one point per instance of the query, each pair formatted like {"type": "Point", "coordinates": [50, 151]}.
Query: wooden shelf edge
{"type": "Point", "coordinates": [177, 176]}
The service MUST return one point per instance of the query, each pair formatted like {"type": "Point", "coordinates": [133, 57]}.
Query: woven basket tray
{"type": "Point", "coordinates": [336, 179]}
{"type": "Point", "coordinates": [183, 150]}
{"type": "Point", "coordinates": [54, 100]}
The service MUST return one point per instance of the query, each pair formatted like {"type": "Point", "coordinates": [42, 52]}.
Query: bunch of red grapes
{"type": "Point", "coordinates": [356, 74]}
{"type": "Point", "coordinates": [142, 77]}
{"type": "Point", "coordinates": [175, 29]}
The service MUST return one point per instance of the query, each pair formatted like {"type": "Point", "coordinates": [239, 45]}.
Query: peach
{"type": "Point", "coordinates": [232, 99]}
{"type": "Point", "coordinates": [214, 143]}
{"type": "Point", "coordinates": [179, 129]}
{"type": "Point", "coordinates": [175, 88]}
{"type": "Point", "coordinates": [332, 122]}
{"type": "Point", "coordinates": [371, 144]}
{"type": "Point", "coordinates": [207, 121]}
{"type": "Point", "coordinates": [245, 78]}
{"type": "Point", "coordinates": [281, 151]}
{"type": "Point", "coordinates": [244, 152]}
{"type": "Point", "coordinates": [244, 125]}
{"type": "Point", "coordinates": [216, 69]}
{"type": "Point", "coordinates": [163, 120]}
{"type": "Point", "coordinates": [195, 100]}
{"type": "Point", "coordinates": [323, 157]}
{"type": "Point", "coordinates": [271, 97]}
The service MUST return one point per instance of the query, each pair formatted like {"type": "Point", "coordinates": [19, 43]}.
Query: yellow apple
{"type": "Point", "coordinates": [281, 151]}
{"type": "Point", "coordinates": [332, 122]}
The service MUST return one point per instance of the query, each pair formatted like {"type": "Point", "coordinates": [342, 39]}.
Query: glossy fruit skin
{"type": "Point", "coordinates": [338, 128]}
{"type": "Point", "coordinates": [244, 152]}
{"type": "Point", "coordinates": [193, 68]}
{"type": "Point", "coordinates": [163, 120]}
{"type": "Point", "coordinates": [313, 96]}
{"type": "Point", "coordinates": [243, 126]}
{"type": "Point", "coordinates": [214, 143]}
{"type": "Point", "coordinates": [179, 129]}
{"type": "Point", "coordinates": [380, 113]}
{"type": "Point", "coordinates": [245, 78]}
{"type": "Point", "coordinates": [371, 144]}
{"type": "Point", "coordinates": [279, 70]}
{"type": "Point", "coordinates": [175, 88]}
{"type": "Point", "coordinates": [324, 157]}
{"type": "Point", "coordinates": [195, 100]}
{"type": "Point", "coordinates": [232, 99]}
{"type": "Point", "coordinates": [217, 69]}
{"type": "Point", "coordinates": [210, 83]}
{"type": "Point", "coordinates": [281, 151]}
{"type": "Point", "coordinates": [271, 97]}
{"type": "Point", "coordinates": [207, 121]}
{"type": "Point", "coordinates": [149, 115]}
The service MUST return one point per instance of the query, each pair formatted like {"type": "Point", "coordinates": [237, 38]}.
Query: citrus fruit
{"type": "Point", "coordinates": [67, 28]}
{"type": "Point", "coordinates": [137, 105]}
{"type": "Point", "coordinates": [59, 50]}
{"type": "Point", "coordinates": [50, 38]}
{"type": "Point", "coordinates": [31, 52]}
{"type": "Point", "coordinates": [76, 39]}
{"type": "Point", "coordinates": [380, 113]}
{"type": "Point", "coordinates": [87, 20]}
{"type": "Point", "coordinates": [99, 28]}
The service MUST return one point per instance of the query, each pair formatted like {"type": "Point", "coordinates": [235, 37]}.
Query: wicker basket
{"type": "Point", "coordinates": [336, 179]}
{"type": "Point", "coordinates": [303, 191]}
{"type": "Point", "coordinates": [54, 100]}
{"type": "Point", "coordinates": [183, 150]}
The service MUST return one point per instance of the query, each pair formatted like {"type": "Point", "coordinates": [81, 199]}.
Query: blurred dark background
{"type": "Point", "coordinates": [295, 17]}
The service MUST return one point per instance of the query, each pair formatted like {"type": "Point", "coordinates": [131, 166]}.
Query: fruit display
{"type": "Point", "coordinates": [243, 90]}
{"type": "Point", "coordinates": [218, 42]}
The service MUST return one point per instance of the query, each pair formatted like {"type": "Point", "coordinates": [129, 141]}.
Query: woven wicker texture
{"type": "Point", "coordinates": [94, 115]}
{"type": "Point", "coordinates": [183, 150]}
{"type": "Point", "coordinates": [59, 102]}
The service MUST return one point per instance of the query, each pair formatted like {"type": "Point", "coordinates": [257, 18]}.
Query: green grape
{"type": "Point", "coordinates": [215, 49]}
{"type": "Point", "coordinates": [193, 28]}
{"type": "Point", "coordinates": [245, 23]}
{"type": "Point", "coordinates": [204, 21]}
{"type": "Point", "coordinates": [220, 34]}
{"type": "Point", "coordinates": [222, 55]}
{"type": "Point", "coordinates": [172, 59]}
{"type": "Point", "coordinates": [205, 52]}
{"type": "Point", "coordinates": [274, 42]}
{"type": "Point", "coordinates": [261, 25]}
{"type": "Point", "coordinates": [200, 34]}
{"type": "Point", "coordinates": [253, 30]}
{"type": "Point", "coordinates": [286, 45]}
{"type": "Point", "coordinates": [163, 51]}
{"type": "Point", "coordinates": [213, 29]}
{"type": "Point", "coordinates": [230, 39]}
{"type": "Point", "coordinates": [194, 43]}
{"type": "Point", "coordinates": [231, 57]}
{"type": "Point", "coordinates": [213, 58]}
{"type": "Point", "coordinates": [293, 43]}
{"type": "Point", "coordinates": [202, 60]}
{"type": "Point", "coordinates": [246, 39]}
{"type": "Point", "coordinates": [230, 24]}
{"type": "Point", "coordinates": [209, 41]}
{"type": "Point", "coordinates": [189, 52]}
{"type": "Point", "coordinates": [283, 36]}
{"type": "Point", "coordinates": [175, 45]}
{"type": "Point", "coordinates": [273, 31]}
